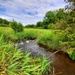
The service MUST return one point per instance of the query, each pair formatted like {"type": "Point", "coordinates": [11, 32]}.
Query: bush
{"type": "Point", "coordinates": [73, 55]}
{"type": "Point", "coordinates": [17, 27]}
{"type": "Point", "coordinates": [61, 25]}
{"type": "Point", "coordinates": [51, 26]}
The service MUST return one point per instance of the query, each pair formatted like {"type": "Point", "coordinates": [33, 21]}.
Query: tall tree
{"type": "Point", "coordinates": [39, 24]}
{"type": "Point", "coordinates": [60, 14]}
{"type": "Point", "coordinates": [50, 17]}
{"type": "Point", "coordinates": [71, 5]}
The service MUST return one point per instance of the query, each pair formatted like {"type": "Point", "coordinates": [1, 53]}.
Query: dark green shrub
{"type": "Point", "coordinates": [51, 26]}
{"type": "Point", "coordinates": [14, 26]}
{"type": "Point", "coordinates": [17, 27]}
{"type": "Point", "coordinates": [73, 55]}
{"type": "Point", "coordinates": [61, 25]}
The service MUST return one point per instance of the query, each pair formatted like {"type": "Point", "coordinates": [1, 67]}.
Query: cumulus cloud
{"type": "Point", "coordinates": [28, 11]}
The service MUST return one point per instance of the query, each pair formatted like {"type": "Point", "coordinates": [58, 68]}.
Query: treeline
{"type": "Point", "coordinates": [58, 19]}
{"type": "Point", "coordinates": [4, 22]}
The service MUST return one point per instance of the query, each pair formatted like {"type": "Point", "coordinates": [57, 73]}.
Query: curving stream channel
{"type": "Point", "coordinates": [62, 64]}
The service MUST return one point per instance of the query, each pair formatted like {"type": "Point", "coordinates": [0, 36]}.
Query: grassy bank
{"type": "Point", "coordinates": [54, 39]}
{"type": "Point", "coordinates": [14, 62]}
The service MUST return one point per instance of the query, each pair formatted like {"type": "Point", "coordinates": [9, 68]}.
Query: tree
{"type": "Point", "coordinates": [50, 17]}
{"type": "Point", "coordinates": [60, 14]}
{"type": "Point", "coordinates": [14, 25]}
{"type": "Point", "coordinates": [30, 26]}
{"type": "Point", "coordinates": [71, 5]}
{"type": "Point", "coordinates": [71, 18]}
{"type": "Point", "coordinates": [17, 27]}
{"type": "Point", "coordinates": [39, 24]}
{"type": "Point", "coordinates": [0, 20]}
{"type": "Point", "coordinates": [4, 22]}
{"type": "Point", "coordinates": [51, 26]}
{"type": "Point", "coordinates": [61, 24]}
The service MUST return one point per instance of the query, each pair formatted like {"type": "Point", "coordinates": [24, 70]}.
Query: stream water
{"type": "Point", "coordinates": [62, 64]}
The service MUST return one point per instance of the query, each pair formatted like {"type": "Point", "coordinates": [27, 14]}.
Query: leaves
{"type": "Point", "coordinates": [14, 62]}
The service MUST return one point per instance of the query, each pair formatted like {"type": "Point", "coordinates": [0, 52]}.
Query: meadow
{"type": "Point", "coordinates": [53, 39]}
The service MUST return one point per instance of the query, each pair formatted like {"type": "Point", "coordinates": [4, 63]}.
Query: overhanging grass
{"type": "Point", "coordinates": [49, 39]}
{"type": "Point", "coordinates": [14, 62]}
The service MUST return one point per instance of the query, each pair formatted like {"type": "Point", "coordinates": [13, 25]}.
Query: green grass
{"type": "Point", "coordinates": [49, 39]}
{"type": "Point", "coordinates": [14, 62]}
{"type": "Point", "coordinates": [54, 39]}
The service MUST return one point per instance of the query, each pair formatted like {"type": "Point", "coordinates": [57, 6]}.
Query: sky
{"type": "Point", "coordinates": [28, 11]}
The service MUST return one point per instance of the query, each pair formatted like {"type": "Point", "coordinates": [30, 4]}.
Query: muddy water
{"type": "Point", "coordinates": [62, 64]}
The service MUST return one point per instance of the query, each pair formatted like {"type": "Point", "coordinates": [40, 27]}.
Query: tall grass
{"type": "Point", "coordinates": [49, 39]}
{"type": "Point", "coordinates": [8, 33]}
{"type": "Point", "coordinates": [55, 39]}
{"type": "Point", "coordinates": [14, 62]}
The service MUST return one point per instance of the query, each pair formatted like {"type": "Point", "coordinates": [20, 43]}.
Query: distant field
{"type": "Point", "coordinates": [26, 34]}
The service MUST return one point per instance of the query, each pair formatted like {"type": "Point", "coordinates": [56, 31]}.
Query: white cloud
{"type": "Point", "coordinates": [29, 11]}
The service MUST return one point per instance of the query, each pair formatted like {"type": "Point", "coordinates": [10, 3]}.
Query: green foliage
{"type": "Point", "coordinates": [20, 35]}
{"type": "Point", "coordinates": [30, 26]}
{"type": "Point", "coordinates": [71, 5]}
{"type": "Point", "coordinates": [4, 23]}
{"type": "Point", "coordinates": [14, 62]}
{"type": "Point", "coordinates": [61, 25]}
{"type": "Point", "coordinates": [14, 26]}
{"type": "Point", "coordinates": [17, 27]}
{"type": "Point", "coordinates": [73, 55]}
{"type": "Point", "coordinates": [56, 39]}
{"type": "Point", "coordinates": [49, 39]}
{"type": "Point", "coordinates": [60, 14]}
{"type": "Point", "coordinates": [30, 34]}
{"type": "Point", "coordinates": [6, 32]}
{"type": "Point", "coordinates": [51, 26]}
{"type": "Point", "coordinates": [39, 24]}
{"type": "Point", "coordinates": [50, 17]}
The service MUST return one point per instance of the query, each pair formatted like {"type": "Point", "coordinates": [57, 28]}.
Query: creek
{"type": "Point", "coordinates": [62, 64]}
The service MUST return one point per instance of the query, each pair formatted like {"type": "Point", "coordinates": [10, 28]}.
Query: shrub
{"type": "Point", "coordinates": [73, 55]}
{"type": "Point", "coordinates": [51, 26]}
{"type": "Point", "coordinates": [61, 25]}
{"type": "Point", "coordinates": [17, 27]}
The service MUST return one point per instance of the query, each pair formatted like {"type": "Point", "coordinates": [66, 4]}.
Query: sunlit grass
{"type": "Point", "coordinates": [14, 62]}
{"type": "Point", "coordinates": [53, 39]}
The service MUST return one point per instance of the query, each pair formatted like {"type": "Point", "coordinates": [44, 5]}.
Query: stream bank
{"type": "Point", "coordinates": [62, 64]}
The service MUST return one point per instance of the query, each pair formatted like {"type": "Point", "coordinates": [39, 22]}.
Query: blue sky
{"type": "Point", "coordinates": [28, 11]}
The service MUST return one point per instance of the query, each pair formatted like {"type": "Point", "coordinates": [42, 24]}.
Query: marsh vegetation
{"type": "Point", "coordinates": [56, 33]}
